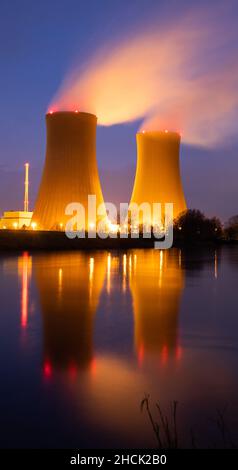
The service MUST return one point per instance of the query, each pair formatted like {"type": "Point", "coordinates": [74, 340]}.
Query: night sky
{"type": "Point", "coordinates": [39, 42]}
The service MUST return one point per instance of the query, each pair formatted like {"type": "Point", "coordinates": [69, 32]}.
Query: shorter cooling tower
{"type": "Point", "coordinates": [70, 173]}
{"type": "Point", "coordinates": [158, 177]}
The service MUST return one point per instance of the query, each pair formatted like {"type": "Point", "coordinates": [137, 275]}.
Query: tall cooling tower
{"type": "Point", "coordinates": [158, 177]}
{"type": "Point", "coordinates": [70, 173]}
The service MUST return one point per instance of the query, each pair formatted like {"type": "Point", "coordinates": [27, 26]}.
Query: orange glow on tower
{"type": "Point", "coordinates": [157, 177]}
{"type": "Point", "coordinates": [70, 172]}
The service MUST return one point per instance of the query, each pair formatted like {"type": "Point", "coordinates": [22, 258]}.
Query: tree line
{"type": "Point", "coordinates": [194, 225]}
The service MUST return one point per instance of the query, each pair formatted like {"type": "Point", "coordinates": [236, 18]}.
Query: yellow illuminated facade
{"type": "Point", "coordinates": [15, 220]}
{"type": "Point", "coordinates": [158, 177]}
{"type": "Point", "coordinates": [70, 172]}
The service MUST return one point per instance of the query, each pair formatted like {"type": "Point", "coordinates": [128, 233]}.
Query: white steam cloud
{"type": "Point", "coordinates": [179, 76]}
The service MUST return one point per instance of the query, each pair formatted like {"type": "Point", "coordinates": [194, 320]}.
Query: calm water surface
{"type": "Point", "coordinates": [85, 335]}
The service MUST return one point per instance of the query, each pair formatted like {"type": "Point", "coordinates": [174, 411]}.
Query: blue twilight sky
{"type": "Point", "coordinates": [39, 41]}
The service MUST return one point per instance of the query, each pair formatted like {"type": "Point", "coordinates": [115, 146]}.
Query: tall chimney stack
{"type": "Point", "coordinates": [26, 195]}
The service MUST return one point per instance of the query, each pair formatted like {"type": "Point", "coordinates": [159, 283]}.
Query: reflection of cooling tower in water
{"type": "Point", "coordinates": [70, 172]}
{"type": "Point", "coordinates": [158, 171]}
{"type": "Point", "coordinates": [69, 287]}
{"type": "Point", "coordinates": [156, 284]}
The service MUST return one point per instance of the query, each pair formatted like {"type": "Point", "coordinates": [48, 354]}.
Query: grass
{"type": "Point", "coordinates": [165, 428]}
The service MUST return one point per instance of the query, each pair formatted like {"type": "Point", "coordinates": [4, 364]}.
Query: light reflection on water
{"type": "Point", "coordinates": [107, 328]}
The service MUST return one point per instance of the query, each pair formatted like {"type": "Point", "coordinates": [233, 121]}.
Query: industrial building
{"type": "Point", "coordinates": [15, 220]}
{"type": "Point", "coordinates": [70, 172]}
{"type": "Point", "coordinates": [158, 177]}
{"type": "Point", "coordinates": [19, 219]}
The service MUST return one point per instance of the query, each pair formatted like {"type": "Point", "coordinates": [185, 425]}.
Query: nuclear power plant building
{"type": "Point", "coordinates": [158, 177]}
{"type": "Point", "coordinates": [70, 172]}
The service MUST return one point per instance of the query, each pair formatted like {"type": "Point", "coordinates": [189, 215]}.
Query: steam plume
{"type": "Point", "coordinates": [179, 76]}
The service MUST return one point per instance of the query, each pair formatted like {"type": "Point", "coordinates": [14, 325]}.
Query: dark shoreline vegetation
{"type": "Point", "coordinates": [192, 229]}
{"type": "Point", "coordinates": [165, 427]}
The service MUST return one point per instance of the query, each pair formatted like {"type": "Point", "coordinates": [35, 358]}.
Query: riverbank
{"type": "Point", "coordinates": [23, 240]}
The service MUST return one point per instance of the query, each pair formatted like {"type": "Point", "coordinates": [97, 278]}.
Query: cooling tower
{"type": "Point", "coordinates": [70, 172]}
{"type": "Point", "coordinates": [158, 177]}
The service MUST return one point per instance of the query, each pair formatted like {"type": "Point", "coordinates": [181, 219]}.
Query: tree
{"type": "Point", "coordinates": [214, 227]}
{"type": "Point", "coordinates": [231, 228]}
{"type": "Point", "coordinates": [193, 225]}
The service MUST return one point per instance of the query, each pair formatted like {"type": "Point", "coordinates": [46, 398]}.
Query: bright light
{"type": "Point", "coordinates": [109, 273]}
{"type": "Point", "coordinates": [91, 226]}
{"type": "Point", "coordinates": [180, 228]}
{"type": "Point", "coordinates": [91, 269]}
{"type": "Point", "coordinates": [4, 227]}
{"type": "Point", "coordinates": [47, 369]}
{"type": "Point", "coordinates": [166, 131]}
{"type": "Point", "coordinates": [61, 225]}
{"type": "Point", "coordinates": [51, 112]}
{"type": "Point", "coordinates": [113, 227]}
{"type": "Point", "coordinates": [123, 228]}
{"type": "Point", "coordinates": [76, 111]}
{"type": "Point", "coordinates": [15, 225]}
{"type": "Point", "coordinates": [34, 225]}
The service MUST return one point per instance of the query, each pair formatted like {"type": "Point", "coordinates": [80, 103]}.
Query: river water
{"type": "Point", "coordinates": [85, 335]}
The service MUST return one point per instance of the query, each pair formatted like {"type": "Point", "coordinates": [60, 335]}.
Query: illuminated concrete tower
{"type": "Point", "coordinates": [158, 177]}
{"type": "Point", "coordinates": [70, 173]}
